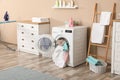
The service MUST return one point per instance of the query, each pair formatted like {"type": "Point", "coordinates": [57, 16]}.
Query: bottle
{"type": "Point", "coordinates": [63, 3]}
{"type": "Point", "coordinates": [57, 3]}
{"type": "Point", "coordinates": [60, 3]}
{"type": "Point", "coordinates": [71, 22]}
{"type": "Point", "coordinates": [66, 24]}
{"type": "Point", "coordinates": [6, 16]}
{"type": "Point", "coordinates": [71, 3]}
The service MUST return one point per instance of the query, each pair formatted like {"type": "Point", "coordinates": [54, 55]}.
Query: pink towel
{"type": "Point", "coordinates": [66, 56]}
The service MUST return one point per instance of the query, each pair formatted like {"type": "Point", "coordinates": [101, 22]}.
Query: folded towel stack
{"type": "Point", "coordinates": [40, 19]}
{"type": "Point", "coordinates": [93, 61]}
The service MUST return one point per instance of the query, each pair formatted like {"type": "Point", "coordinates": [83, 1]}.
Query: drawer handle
{"type": "Point", "coordinates": [32, 34]}
{"type": "Point", "coordinates": [32, 27]}
{"type": "Point", "coordinates": [23, 46]}
{"type": "Point", "coordinates": [33, 48]}
{"type": "Point", "coordinates": [22, 32]}
{"type": "Point", "coordinates": [22, 39]}
{"type": "Point", "coordinates": [32, 41]}
{"type": "Point", "coordinates": [22, 25]}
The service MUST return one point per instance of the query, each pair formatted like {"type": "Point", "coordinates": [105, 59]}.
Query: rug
{"type": "Point", "coordinates": [21, 73]}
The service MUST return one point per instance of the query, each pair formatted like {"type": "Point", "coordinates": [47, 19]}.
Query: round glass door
{"type": "Point", "coordinates": [45, 43]}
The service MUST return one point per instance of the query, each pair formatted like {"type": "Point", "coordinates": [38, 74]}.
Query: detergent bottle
{"type": "Point", "coordinates": [71, 22]}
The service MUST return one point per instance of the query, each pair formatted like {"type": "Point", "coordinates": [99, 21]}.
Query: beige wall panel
{"type": "Point", "coordinates": [26, 9]}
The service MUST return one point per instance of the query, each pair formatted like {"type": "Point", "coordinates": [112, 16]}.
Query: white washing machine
{"type": "Point", "coordinates": [76, 38]}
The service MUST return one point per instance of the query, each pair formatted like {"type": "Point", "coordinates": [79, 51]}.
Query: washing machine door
{"type": "Point", "coordinates": [46, 45]}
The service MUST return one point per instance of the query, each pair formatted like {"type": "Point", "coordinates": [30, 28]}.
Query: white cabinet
{"type": "Point", "coordinates": [27, 35]}
{"type": "Point", "coordinates": [116, 47]}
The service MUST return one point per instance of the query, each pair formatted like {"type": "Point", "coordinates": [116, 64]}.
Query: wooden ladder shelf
{"type": "Point", "coordinates": [107, 35]}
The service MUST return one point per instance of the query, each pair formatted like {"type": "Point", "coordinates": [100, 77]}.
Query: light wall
{"type": "Point", "coordinates": [26, 9]}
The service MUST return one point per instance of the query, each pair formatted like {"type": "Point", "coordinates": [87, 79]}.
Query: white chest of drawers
{"type": "Point", "coordinates": [27, 35]}
{"type": "Point", "coordinates": [115, 67]}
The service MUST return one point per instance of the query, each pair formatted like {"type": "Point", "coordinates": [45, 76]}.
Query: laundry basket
{"type": "Point", "coordinates": [98, 69]}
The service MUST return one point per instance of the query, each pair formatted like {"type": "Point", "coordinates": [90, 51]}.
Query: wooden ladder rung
{"type": "Point", "coordinates": [91, 54]}
{"type": "Point", "coordinates": [103, 58]}
{"type": "Point", "coordinates": [94, 55]}
{"type": "Point", "coordinates": [99, 45]}
{"type": "Point", "coordinates": [100, 57]}
{"type": "Point", "coordinates": [106, 36]}
{"type": "Point", "coordinates": [98, 13]}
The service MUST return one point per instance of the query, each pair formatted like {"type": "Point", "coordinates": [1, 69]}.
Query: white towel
{"type": "Point", "coordinates": [58, 57]}
{"type": "Point", "coordinates": [40, 19]}
{"type": "Point", "coordinates": [105, 18]}
{"type": "Point", "coordinates": [97, 33]}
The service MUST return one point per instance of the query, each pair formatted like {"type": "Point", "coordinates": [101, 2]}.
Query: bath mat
{"type": "Point", "coordinates": [21, 73]}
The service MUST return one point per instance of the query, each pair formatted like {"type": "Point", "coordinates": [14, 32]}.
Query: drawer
{"type": "Point", "coordinates": [117, 59]}
{"type": "Point", "coordinates": [28, 48]}
{"type": "Point", "coordinates": [117, 25]}
{"type": "Point", "coordinates": [117, 48]}
{"type": "Point", "coordinates": [116, 67]}
{"type": "Point", "coordinates": [31, 27]}
{"type": "Point", "coordinates": [27, 40]}
{"type": "Point", "coordinates": [27, 33]}
{"type": "Point", "coordinates": [23, 46]}
{"type": "Point", "coordinates": [117, 36]}
{"type": "Point", "coordinates": [117, 52]}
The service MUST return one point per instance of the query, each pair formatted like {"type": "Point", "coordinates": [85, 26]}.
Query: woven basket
{"type": "Point", "coordinates": [98, 69]}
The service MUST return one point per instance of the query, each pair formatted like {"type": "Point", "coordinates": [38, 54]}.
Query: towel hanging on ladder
{"type": "Point", "coordinates": [105, 18]}
{"type": "Point", "coordinates": [97, 33]}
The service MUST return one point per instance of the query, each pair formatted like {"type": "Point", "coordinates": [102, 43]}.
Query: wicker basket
{"type": "Point", "coordinates": [98, 69]}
